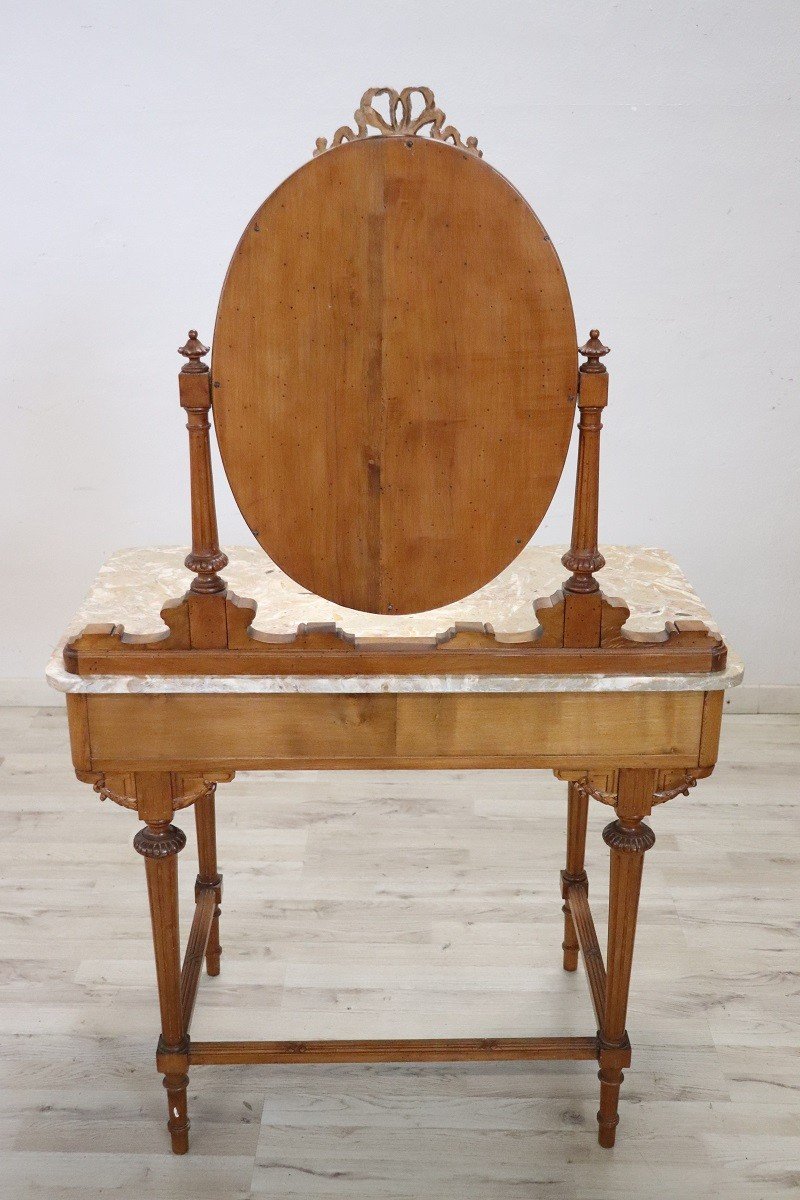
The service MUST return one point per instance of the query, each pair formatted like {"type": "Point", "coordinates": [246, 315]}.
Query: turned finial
{"type": "Point", "coordinates": [593, 350]}
{"type": "Point", "coordinates": [194, 350]}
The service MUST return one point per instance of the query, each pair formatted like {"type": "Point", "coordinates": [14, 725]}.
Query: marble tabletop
{"type": "Point", "coordinates": [132, 586]}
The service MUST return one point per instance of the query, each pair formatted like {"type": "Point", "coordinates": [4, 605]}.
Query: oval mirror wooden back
{"type": "Point", "coordinates": [395, 372]}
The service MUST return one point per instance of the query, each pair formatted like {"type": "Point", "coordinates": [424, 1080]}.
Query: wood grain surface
{"type": "Point", "coordinates": [334, 732]}
{"type": "Point", "coordinates": [394, 374]}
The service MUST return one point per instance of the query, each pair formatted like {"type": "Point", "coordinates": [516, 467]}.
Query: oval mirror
{"type": "Point", "coordinates": [395, 372]}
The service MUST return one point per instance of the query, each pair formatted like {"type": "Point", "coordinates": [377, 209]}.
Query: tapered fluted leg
{"type": "Point", "coordinates": [209, 876]}
{"type": "Point", "coordinates": [628, 839]}
{"type": "Point", "coordinates": [577, 807]}
{"type": "Point", "coordinates": [159, 842]}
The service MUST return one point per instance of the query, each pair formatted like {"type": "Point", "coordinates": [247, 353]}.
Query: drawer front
{"type": "Point", "coordinates": [183, 732]}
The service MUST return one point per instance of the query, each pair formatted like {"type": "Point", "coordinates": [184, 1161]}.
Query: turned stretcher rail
{"type": "Point", "coordinates": [393, 1050]}
{"type": "Point", "coordinates": [195, 951]}
{"type": "Point", "coordinates": [578, 900]}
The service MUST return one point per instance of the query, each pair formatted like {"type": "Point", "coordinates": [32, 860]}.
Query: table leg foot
{"type": "Point", "coordinates": [607, 1115]}
{"type": "Point", "coordinates": [178, 1122]}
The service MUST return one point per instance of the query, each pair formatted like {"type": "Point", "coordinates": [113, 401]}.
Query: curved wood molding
{"type": "Point", "coordinates": [401, 120]}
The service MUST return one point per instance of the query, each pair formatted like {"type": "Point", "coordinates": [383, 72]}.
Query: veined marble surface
{"type": "Point", "coordinates": [132, 586]}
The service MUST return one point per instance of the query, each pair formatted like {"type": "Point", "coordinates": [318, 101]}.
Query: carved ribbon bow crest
{"type": "Point", "coordinates": [399, 120]}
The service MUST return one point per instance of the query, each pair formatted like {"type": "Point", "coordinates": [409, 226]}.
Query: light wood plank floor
{"type": "Point", "coordinates": [407, 904]}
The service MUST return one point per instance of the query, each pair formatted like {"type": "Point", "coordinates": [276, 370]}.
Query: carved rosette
{"type": "Point", "coordinates": [159, 841]}
{"type": "Point", "coordinates": [631, 839]}
{"type": "Point", "coordinates": [399, 121]}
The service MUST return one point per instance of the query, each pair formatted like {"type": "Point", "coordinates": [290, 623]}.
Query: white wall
{"type": "Point", "coordinates": [657, 142]}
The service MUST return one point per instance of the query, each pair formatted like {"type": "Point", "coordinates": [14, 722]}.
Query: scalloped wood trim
{"type": "Point", "coordinates": [325, 649]}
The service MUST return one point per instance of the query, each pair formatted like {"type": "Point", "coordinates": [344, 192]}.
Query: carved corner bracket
{"type": "Point", "coordinates": [400, 120]}
{"type": "Point", "coordinates": [122, 789]}
{"type": "Point", "coordinates": [604, 786]}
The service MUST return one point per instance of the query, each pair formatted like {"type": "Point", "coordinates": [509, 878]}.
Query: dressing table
{"type": "Point", "coordinates": [394, 382]}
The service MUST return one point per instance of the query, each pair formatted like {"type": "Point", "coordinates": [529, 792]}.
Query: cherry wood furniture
{"type": "Point", "coordinates": [394, 381]}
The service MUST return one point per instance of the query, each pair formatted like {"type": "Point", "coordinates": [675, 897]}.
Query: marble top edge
{"type": "Point", "coordinates": [132, 586]}
{"type": "Point", "coordinates": [63, 681]}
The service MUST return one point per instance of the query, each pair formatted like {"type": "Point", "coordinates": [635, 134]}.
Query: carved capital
{"type": "Point", "coordinates": [631, 839]}
{"type": "Point", "coordinates": [399, 120]}
{"type": "Point", "coordinates": [206, 566]}
{"type": "Point", "coordinates": [582, 563]}
{"type": "Point", "coordinates": [159, 841]}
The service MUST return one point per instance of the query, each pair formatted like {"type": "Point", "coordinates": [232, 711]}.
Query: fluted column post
{"type": "Point", "coordinates": [628, 840]}
{"type": "Point", "coordinates": [159, 843]}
